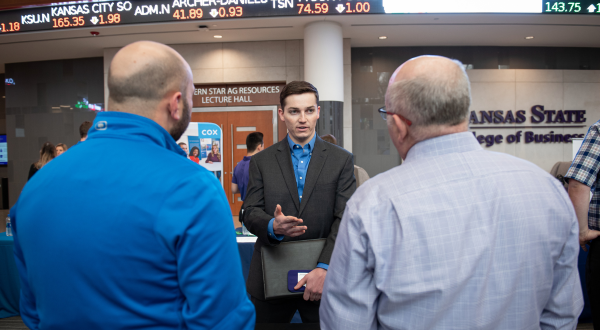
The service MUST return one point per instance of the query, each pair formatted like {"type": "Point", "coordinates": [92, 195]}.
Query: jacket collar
{"type": "Point", "coordinates": [128, 126]}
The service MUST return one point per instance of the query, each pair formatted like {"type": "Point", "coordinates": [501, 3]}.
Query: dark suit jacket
{"type": "Point", "coordinates": [329, 184]}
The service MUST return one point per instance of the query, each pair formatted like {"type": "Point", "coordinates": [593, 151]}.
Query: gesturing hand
{"type": "Point", "coordinates": [314, 284]}
{"type": "Point", "coordinates": [287, 226]}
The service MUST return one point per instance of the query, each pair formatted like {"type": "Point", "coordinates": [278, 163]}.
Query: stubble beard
{"type": "Point", "coordinates": [182, 125]}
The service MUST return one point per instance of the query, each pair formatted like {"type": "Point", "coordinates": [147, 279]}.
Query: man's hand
{"type": "Point", "coordinates": [209, 162]}
{"type": "Point", "coordinates": [586, 236]}
{"type": "Point", "coordinates": [314, 284]}
{"type": "Point", "coordinates": [287, 226]}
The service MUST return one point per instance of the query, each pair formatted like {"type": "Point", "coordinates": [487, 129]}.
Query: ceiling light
{"type": "Point", "coordinates": [529, 38]}
{"type": "Point", "coordinates": [218, 36]}
{"type": "Point", "coordinates": [382, 38]}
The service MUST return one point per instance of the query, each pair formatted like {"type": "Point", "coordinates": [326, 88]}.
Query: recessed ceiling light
{"type": "Point", "coordinates": [528, 38]}
{"type": "Point", "coordinates": [218, 36]}
{"type": "Point", "coordinates": [382, 38]}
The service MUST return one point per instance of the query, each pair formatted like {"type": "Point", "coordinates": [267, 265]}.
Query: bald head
{"type": "Point", "coordinates": [145, 72]}
{"type": "Point", "coordinates": [430, 90]}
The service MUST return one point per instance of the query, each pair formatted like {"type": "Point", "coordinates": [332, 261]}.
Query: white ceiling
{"type": "Point", "coordinates": [363, 30]}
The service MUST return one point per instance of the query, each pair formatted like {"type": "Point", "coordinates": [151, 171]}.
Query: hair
{"type": "Point", "coordinates": [215, 145]}
{"type": "Point", "coordinates": [329, 138]}
{"type": "Point", "coordinates": [63, 146]}
{"type": "Point", "coordinates": [152, 84]}
{"type": "Point", "coordinates": [182, 143]}
{"type": "Point", "coordinates": [433, 100]}
{"type": "Point", "coordinates": [192, 151]}
{"type": "Point", "coordinates": [84, 128]}
{"type": "Point", "coordinates": [47, 154]}
{"type": "Point", "coordinates": [297, 88]}
{"type": "Point", "coordinates": [253, 140]}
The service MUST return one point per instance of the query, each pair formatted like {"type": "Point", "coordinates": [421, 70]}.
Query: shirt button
{"type": "Point", "coordinates": [300, 178]}
{"type": "Point", "coordinates": [302, 161]}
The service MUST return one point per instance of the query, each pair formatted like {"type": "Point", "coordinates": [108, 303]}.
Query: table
{"type": "Point", "coordinates": [10, 286]}
{"type": "Point", "coordinates": [246, 248]}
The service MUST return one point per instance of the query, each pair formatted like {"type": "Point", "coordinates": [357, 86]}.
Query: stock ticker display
{"type": "Point", "coordinates": [103, 13]}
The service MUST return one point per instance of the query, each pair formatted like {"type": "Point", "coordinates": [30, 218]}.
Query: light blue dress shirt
{"type": "Point", "coordinates": [300, 159]}
{"type": "Point", "coordinates": [455, 238]}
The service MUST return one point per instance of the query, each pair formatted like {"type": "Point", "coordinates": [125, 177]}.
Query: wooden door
{"type": "Point", "coordinates": [237, 125]}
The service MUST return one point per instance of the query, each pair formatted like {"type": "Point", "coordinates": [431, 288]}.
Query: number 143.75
{"type": "Point", "coordinates": [563, 7]}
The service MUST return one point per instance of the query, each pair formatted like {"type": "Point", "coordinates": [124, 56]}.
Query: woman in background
{"type": "Point", "coordinates": [60, 148]}
{"type": "Point", "coordinates": [47, 154]}
{"type": "Point", "coordinates": [194, 155]}
{"type": "Point", "coordinates": [214, 156]}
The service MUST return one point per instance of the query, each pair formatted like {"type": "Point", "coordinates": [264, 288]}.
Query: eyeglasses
{"type": "Point", "coordinates": [384, 114]}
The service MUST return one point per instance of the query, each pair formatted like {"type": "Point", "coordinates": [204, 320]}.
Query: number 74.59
{"type": "Point", "coordinates": [561, 7]}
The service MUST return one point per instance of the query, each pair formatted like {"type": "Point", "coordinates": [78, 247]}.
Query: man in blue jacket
{"type": "Point", "coordinates": [147, 241]}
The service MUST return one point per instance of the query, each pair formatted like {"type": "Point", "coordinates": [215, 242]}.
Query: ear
{"type": "Point", "coordinates": [400, 127]}
{"type": "Point", "coordinates": [173, 106]}
{"type": "Point", "coordinates": [318, 111]}
{"type": "Point", "coordinates": [280, 113]}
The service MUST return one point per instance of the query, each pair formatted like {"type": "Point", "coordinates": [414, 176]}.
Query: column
{"type": "Point", "coordinates": [324, 68]}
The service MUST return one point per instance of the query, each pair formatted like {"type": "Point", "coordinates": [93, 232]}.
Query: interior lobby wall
{"type": "Point", "coordinates": [260, 61]}
{"type": "Point", "coordinates": [502, 79]}
{"type": "Point", "coordinates": [40, 107]}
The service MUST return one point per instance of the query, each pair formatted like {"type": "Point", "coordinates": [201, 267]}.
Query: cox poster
{"type": "Point", "coordinates": [203, 143]}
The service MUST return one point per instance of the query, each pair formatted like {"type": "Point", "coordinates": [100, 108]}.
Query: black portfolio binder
{"type": "Point", "coordinates": [278, 260]}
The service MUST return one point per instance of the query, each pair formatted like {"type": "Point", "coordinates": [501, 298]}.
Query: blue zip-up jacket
{"type": "Point", "coordinates": [123, 232]}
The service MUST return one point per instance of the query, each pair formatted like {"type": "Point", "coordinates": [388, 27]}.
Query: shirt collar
{"type": "Point", "coordinates": [247, 158]}
{"type": "Point", "coordinates": [443, 145]}
{"type": "Point", "coordinates": [311, 144]}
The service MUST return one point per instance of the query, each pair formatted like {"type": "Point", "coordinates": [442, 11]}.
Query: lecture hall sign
{"type": "Point", "coordinates": [235, 95]}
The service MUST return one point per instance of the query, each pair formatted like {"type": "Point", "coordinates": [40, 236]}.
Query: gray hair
{"type": "Point", "coordinates": [433, 100]}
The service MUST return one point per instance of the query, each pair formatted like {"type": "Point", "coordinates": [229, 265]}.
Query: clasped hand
{"type": "Point", "coordinates": [314, 284]}
{"type": "Point", "coordinates": [287, 225]}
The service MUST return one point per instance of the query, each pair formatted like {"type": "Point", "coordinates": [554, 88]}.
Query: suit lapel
{"type": "Point", "coordinates": [284, 158]}
{"type": "Point", "coordinates": [317, 161]}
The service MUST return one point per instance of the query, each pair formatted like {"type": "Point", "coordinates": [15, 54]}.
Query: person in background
{"type": "Point", "coordinates": [60, 148]}
{"type": "Point", "coordinates": [184, 147]}
{"type": "Point", "coordinates": [47, 153]}
{"type": "Point", "coordinates": [195, 155]}
{"type": "Point", "coordinates": [359, 173]}
{"type": "Point", "coordinates": [308, 179]}
{"type": "Point", "coordinates": [139, 247]}
{"type": "Point", "coordinates": [583, 177]}
{"type": "Point", "coordinates": [456, 237]}
{"type": "Point", "coordinates": [214, 156]}
{"type": "Point", "coordinates": [83, 130]}
{"type": "Point", "coordinates": [239, 181]}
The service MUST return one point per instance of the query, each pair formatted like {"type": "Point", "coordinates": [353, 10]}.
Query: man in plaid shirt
{"type": "Point", "coordinates": [584, 172]}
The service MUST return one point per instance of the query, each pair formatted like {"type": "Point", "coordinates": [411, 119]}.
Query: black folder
{"type": "Point", "coordinates": [278, 260]}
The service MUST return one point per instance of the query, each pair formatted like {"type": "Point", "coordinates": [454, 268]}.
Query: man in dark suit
{"type": "Point", "coordinates": [310, 181]}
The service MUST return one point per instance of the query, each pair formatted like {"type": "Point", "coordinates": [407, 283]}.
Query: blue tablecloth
{"type": "Point", "coordinates": [9, 278]}
{"type": "Point", "coordinates": [246, 249]}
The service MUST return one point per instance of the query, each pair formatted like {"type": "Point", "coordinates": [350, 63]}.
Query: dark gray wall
{"type": "Point", "coordinates": [3, 169]}
{"type": "Point", "coordinates": [40, 107]}
{"type": "Point", "coordinates": [372, 67]}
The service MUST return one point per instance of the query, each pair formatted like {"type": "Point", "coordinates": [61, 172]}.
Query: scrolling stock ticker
{"type": "Point", "coordinates": [106, 13]}
{"type": "Point", "coordinates": [135, 12]}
